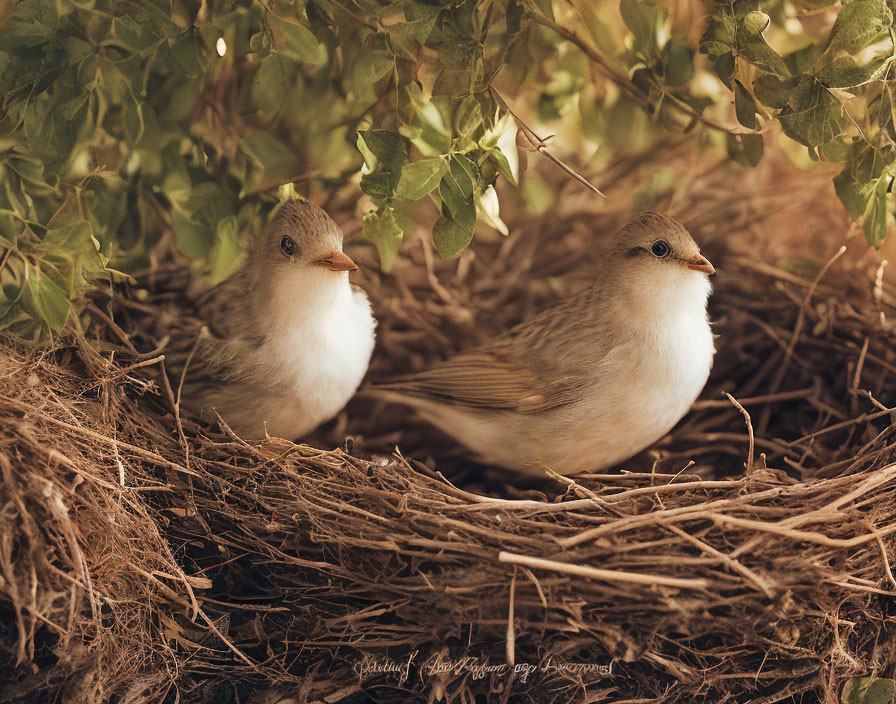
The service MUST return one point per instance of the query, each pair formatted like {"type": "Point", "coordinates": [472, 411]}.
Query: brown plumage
{"type": "Point", "coordinates": [592, 380]}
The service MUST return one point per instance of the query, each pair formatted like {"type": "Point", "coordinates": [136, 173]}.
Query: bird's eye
{"type": "Point", "coordinates": [660, 249]}
{"type": "Point", "coordinates": [287, 246]}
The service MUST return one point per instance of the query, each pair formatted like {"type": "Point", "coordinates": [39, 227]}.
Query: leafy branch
{"type": "Point", "coordinates": [120, 119]}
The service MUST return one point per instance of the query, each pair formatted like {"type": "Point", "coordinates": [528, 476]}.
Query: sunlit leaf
{"type": "Point", "coordinates": [45, 300]}
{"type": "Point", "coordinates": [468, 117]}
{"type": "Point", "coordinates": [420, 177]}
{"type": "Point", "coordinates": [745, 107]}
{"type": "Point", "coordinates": [639, 18]}
{"type": "Point", "coordinates": [452, 233]}
{"type": "Point", "coordinates": [869, 690]}
{"type": "Point", "coordinates": [753, 46]}
{"type": "Point", "coordinates": [843, 72]}
{"type": "Point", "coordinates": [811, 115]}
{"type": "Point", "coordinates": [774, 91]}
{"type": "Point", "coordinates": [30, 23]}
{"type": "Point", "coordinates": [383, 230]}
{"type": "Point", "coordinates": [858, 24]}
{"type": "Point", "coordinates": [296, 41]}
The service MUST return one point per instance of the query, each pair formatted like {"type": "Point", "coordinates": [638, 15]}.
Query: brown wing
{"type": "Point", "coordinates": [493, 379]}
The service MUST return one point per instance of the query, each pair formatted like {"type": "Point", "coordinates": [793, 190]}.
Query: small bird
{"type": "Point", "coordinates": [281, 345]}
{"type": "Point", "coordinates": [592, 381]}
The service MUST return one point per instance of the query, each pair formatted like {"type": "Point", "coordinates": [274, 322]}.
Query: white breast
{"type": "Point", "coordinates": [317, 345]}
{"type": "Point", "coordinates": [658, 364]}
{"type": "Point", "coordinates": [650, 381]}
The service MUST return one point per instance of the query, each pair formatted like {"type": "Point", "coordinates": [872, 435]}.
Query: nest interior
{"type": "Point", "coordinates": [148, 557]}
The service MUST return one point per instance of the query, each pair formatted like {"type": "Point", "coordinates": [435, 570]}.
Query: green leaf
{"type": "Point", "coordinates": [69, 239]}
{"type": "Point", "coordinates": [753, 46]}
{"type": "Point", "coordinates": [844, 72]}
{"type": "Point", "coordinates": [45, 300]}
{"type": "Point", "coordinates": [453, 230]}
{"type": "Point", "coordinates": [639, 23]}
{"type": "Point", "coordinates": [30, 23]}
{"type": "Point", "coordinates": [11, 226]}
{"type": "Point", "coordinates": [157, 15]}
{"type": "Point", "coordinates": [132, 35]}
{"type": "Point", "coordinates": [456, 187]}
{"type": "Point", "coordinates": [718, 39]}
{"type": "Point", "coordinates": [52, 66]}
{"type": "Point", "coordinates": [121, 91]}
{"type": "Point", "coordinates": [420, 177]}
{"type": "Point", "coordinates": [724, 67]}
{"type": "Point", "coordinates": [745, 107]}
{"type": "Point", "coordinates": [773, 91]}
{"type": "Point", "coordinates": [268, 84]}
{"type": "Point", "coordinates": [297, 42]}
{"type": "Point", "coordinates": [869, 690]}
{"type": "Point", "coordinates": [390, 151]}
{"type": "Point", "coordinates": [468, 117]}
{"type": "Point", "coordinates": [225, 254]}
{"type": "Point", "coordinates": [382, 229]}
{"type": "Point", "coordinates": [367, 68]}
{"type": "Point", "coordinates": [433, 137]}
{"type": "Point", "coordinates": [811, 115]}
{"type": "Point", "coordinates": [862, 187]}
{"type": "Point", "coordinates": [182, 50]}
{"type": "Point", "coordinates": [859, 23]}
{"type": "Point", "coordinates": [266, 153]}
{"type": "Point", "coordinates": [453, 233]}
{"type": "Point", "coordinates": [875, 221]}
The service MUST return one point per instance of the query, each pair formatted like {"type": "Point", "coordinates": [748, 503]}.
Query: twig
{"type": "Point", "coordinates": [794, 338]}
{"type": "Point", "coordinates": [511, 636]}
{"type": "Point", "coordinates": [618, 77]}
{"type": "Point", "coordinates": [735, 565]}
{"type": "Point", "coordinates": [749, 431]}
{"type": "Point", "coordinates": [539, 144]}
{"type": "Point", "coordinates": [604, 575]}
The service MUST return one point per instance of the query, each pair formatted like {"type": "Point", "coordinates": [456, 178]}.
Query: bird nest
{"type": "Point", "coordinates": [148, 557]}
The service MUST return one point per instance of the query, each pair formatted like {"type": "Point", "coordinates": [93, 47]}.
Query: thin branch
{"type": "Point", "coordinates": [621, 80]}
{"type": "Point", "coordinates": [603, 575]}
{"type": "Point", "coordinates": [539, 144]}
{"type": "Point", "coordinates": [749, 431]}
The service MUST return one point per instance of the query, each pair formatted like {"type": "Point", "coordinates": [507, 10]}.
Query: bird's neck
{"type": "Point", "coordinates": [678, 293]}
{"type": "Point", "coordinates": [302, 298]}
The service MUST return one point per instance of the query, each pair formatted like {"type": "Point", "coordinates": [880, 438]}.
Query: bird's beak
{"type": "Point", "coordinates": [336, 261]}
{"type": "Point", "coordinates": [700, 263]}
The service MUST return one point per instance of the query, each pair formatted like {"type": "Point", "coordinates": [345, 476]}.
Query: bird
{"type": "Point", "coordinates": [281, 345]}
{"type": "Point", "coordinates": [591, 381]}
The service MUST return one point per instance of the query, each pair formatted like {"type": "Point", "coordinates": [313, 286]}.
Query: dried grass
{"type": "Point", "coordinates": [145, 557]}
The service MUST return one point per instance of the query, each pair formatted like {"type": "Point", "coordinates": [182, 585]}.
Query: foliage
{"type": "Point", "coordinates": [120, 118]}
{"type": "Point", "coordinates": [869, 690]}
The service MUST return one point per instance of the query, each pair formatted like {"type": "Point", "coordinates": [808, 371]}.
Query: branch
{"type": "Point", "coordinates": [540, 146]}
{"type": "Point", "coordinates": [620, 79]}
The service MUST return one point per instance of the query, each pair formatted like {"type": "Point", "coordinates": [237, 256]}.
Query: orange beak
{"type": "Point", "coordinates": [700, 263]}
{"type": "Point", "coordinates": [336, 261]}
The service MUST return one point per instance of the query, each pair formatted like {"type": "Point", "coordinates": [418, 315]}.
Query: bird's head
{"type": "Point", "coordinates": [655, 245]}
{"type": "Point", "coordinates": [303, 237]}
